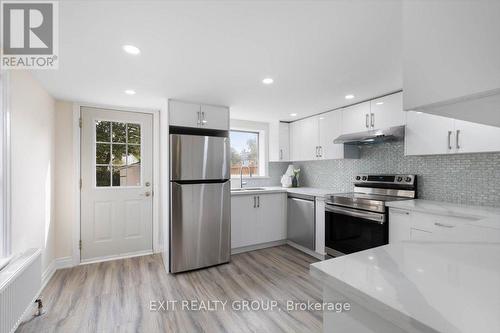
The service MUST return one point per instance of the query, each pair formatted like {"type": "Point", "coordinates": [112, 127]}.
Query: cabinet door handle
{"type": "Point", "coordinates": [400, 212]}
{"type": "Point", "coordinates": [449, 140]}
{"type": "Point", "coordinates": [320, 151]}
{"type": "Point", "coordinates": [281, 154]}
{"type": "Point", "coordinates": [457, 140]}
{"type": "Point", "coordinates": [367, 121]}
{"type": "Point", "coordinates": [199, 117]}
{"type": "Point", "coordinates": [316, 151]}
{"type": "Point", "coordinates": [203, 120]}
{"type": "Point", "coordinates": [258, 201]}
{"type": "Point", "coordinates": [443, 225]}
{"type": "Point", "coordinates": [254, 202]}
{"type": "Point", "coordinates": [372, 120]}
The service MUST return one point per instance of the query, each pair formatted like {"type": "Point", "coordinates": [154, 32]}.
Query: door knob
{"type": "Point", "coordinates": [148, 184]}
{"type": "Point", "coordinates": [148, 193]}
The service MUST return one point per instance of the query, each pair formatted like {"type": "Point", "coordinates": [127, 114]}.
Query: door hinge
{"type": "Point", "coordinates": [80, 122]}
{"type": "Point", "coordinates": [80, 244]}
{"type": "Point", "coordinates": [81, 183]}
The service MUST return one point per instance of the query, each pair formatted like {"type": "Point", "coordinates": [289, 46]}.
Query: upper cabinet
{"type": "Point", "coordinates": [428, 134]}
{"type": "Point", "coordinates": [379, 113]}
{"type": "Point", "coordinates": [305, 139]}
{"type": "Point", "coordinates": [186, 114]}
{"type": "Point", "coordinates": [356, 118]}
{"type": "Point", "coordinates": [279, 141]}
{"type": "Point", "coordinates": [450, 59]}
{"type": "Point", "coordinates": [312, 138]}
{"type": "Point", "coordinates": [387, 111]}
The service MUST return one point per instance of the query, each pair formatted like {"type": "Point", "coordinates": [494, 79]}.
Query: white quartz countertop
{"type": "Point", "coordinates": [315, 192]}
{"type": "Point", "coordinates": [447, 287]}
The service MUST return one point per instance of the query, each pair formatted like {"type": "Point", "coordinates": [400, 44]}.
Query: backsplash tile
{"type": "Point", "coordinates": [472, 179]}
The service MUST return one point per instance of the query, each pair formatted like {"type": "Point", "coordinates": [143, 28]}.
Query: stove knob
{"type": "Point", "coordinates": [399, 179]}
{"type": "Point", "coordinates": [408, 179]}
{"type": "Point", "coordinates": [358, 177]}
{"type": "Point", "coordinates": [365, 178]}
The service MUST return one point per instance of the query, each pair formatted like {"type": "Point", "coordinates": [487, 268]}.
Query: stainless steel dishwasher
{"type": "Point", "coordinates": [301, 220]}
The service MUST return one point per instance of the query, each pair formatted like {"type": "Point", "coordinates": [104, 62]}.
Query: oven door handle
{"type": "Point", "coordinates": [374, 217]}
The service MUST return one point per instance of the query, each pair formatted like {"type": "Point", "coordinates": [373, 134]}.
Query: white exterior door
{"type": "Point", "coordinates": [116, 191]}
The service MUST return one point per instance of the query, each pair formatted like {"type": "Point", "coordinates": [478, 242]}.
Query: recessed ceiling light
{"type": "Point", "coordinates": [379, 103]}
{"type": "Point", "coordinates": [349, 96]}
{"type": "Point", "coordinates": [293, 115]}
{"type": "Point", "coordinates": [131, 49]}
{"type": "Point", "coordinates": [130, 92]}
{"type": "Point", "coordinates": [268, 80]}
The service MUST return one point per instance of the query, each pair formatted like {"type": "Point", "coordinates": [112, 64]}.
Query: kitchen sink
{"type": "Point", "coordinates": [247, 189]}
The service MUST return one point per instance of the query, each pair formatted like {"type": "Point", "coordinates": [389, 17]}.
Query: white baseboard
{"type": "Point", "coordinates": [306, 250]}
{"type": "Point", "coordinates": [257, 247]}
{"type": "Point", "coordinates": [117, 257]}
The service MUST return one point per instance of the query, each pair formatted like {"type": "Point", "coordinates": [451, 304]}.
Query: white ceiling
{"type": "Point", "coordinates": [218, 52]}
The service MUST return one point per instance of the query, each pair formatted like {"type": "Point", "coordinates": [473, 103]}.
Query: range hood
{"type": "Point", "coordinates": [373, 136]}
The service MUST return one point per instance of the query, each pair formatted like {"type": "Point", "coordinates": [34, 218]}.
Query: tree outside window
{"type": "Point", "coordinates": [244, 153]}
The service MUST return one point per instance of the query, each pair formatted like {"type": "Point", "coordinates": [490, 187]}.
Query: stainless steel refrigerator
{"type": "Point", "coordinates": [200, 201]}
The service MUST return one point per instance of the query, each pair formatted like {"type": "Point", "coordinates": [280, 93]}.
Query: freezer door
{"type": "Point", "coordinates": [200, 225]}
{"type": "Point", "coordinates": [195, 157]}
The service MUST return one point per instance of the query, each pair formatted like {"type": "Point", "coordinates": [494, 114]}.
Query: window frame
{"type": "Point", "coordinates": [263, 129]}
{"type": "Point", "coordinates": [258, 151]}
{"type": "Point", "coordinates": [110, 165]}
{"type": "Point", "coordinates": [5, 168]}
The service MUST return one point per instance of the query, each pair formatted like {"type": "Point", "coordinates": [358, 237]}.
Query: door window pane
{"type": "Point", "coordinates": [118, 154]}
{"type": "Point", "coordinates": [103, 131]}
{"type": "Point", "coordinates": [103, 175]}
{"type": "Point", "coordinates": [120, 176]}
{"type": "Point", "coordinates": [134, 155]}
{"type": "Point", "coordinates": [119, 132]}
{"type": "Point", "coordinates": [244, 153]}
{"type": "Point", "coordinates": [102, 153]}
{"type": "Point", "coordinates": [134, 133]}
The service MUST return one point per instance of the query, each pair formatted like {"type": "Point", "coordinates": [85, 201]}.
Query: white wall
{"type": "Point", "coordinates": [65, 182]}
{"type": "Point", "coordinates": [33, 159]}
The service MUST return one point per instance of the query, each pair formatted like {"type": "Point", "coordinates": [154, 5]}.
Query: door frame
{"type": "Point", "coordinates": [156, 230]}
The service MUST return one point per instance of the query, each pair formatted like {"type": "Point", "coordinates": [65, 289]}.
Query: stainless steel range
{"type": "Point", "coordinates": [359, 220]}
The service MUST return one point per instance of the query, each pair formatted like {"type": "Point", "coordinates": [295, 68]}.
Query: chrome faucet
{"type": "Point", "coordinates": [241, 175]}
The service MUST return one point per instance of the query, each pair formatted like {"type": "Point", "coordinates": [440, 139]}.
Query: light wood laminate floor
{"type": "Point", "coordinates": [115, 296]}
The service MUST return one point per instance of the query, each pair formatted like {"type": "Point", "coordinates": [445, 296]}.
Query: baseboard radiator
{"type": "Point", "coordinates": [20, 283]}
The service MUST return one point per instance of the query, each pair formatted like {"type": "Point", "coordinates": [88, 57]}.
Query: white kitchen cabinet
{"type": "Point", "coordinates": [312, 138]}
{"type": "Point", "coordinates": [387, 111]}
{"type": "Point", "coordinates": [187, 114]}
{"type": "Point", "coordinates": [184, 114]}
{"type": "Point", "coordinates": [428, 134]}
{"type": "Point", "coordinates": [215, 117]}
{"type": "Point", "coordinates": [407, 225]}
{"type": "Point", "coordinates": [419, 235]}
{"type": "Point", "coordinates": [475, 138]}
{"type": "Point", "coordinates": [304, 139]}
{"type": "Point", "coordinates": [399, 225]}
{"type": "Point", "coordinates": [271, 211]}
{"type": "Point", "coordinates": [244, 220]}
{"type": "Point", "coordinates": [320, 225]}
{"type": "Point", "coordinates": [279, 141]}
{"type": "Point", "coordinates": [257, 219]}
{"type": "Point", "coordinates": [330, 127]}
{"type": "Point", "coordinates": [356, 118]}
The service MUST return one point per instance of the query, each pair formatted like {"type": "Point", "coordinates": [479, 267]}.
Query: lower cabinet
{"type": "Point", "coordinates": [257, 219]}
{"type": "Point", "coordinates": [407, 225]}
